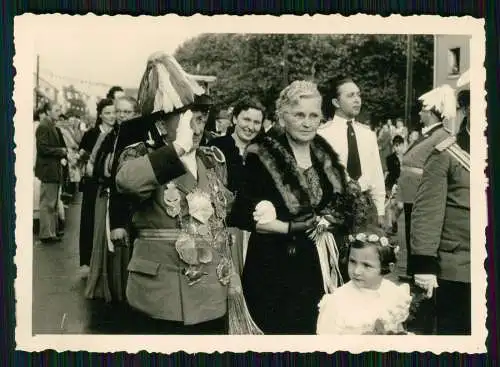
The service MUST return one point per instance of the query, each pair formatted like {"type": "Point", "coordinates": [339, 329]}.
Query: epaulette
{"type": "Point", "coordinates": [214, 153]}
{"type": "Point", "coordinates": [445, 144]}
{"type": "Point", "coordinates": [133, 151]}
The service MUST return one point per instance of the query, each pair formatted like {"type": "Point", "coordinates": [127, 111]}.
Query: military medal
{"type": "Point", "coordinates": [205, 255]}
{"type": "Point", "coordinates": [172, 199]}
{"type": "Point", "coordinates": [224, 271]}
{"type": "Point", "coordinates": [186, 248]}
{"type": "Point", "coordinates": [203, 230]}
{"type": "Point", "coordinates": [194, 275]}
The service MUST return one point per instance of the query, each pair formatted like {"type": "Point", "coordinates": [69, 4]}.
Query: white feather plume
{"type": "Point", "coordinates": [442, 99]}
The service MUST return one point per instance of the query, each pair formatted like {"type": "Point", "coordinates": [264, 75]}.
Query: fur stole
{"type": "Point", "coordinates": [276, 156]}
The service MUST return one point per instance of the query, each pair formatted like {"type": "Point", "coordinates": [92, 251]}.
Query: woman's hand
{"type": "Point", "coordinates": [302, 224]}
{"type": "Point", "coordinates": [184, 133]}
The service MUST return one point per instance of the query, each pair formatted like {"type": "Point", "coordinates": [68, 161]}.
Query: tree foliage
{"type": "Point", "coordinates": [263, 64]}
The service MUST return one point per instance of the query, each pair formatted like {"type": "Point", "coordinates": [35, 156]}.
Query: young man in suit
{"type": "Point", "coordinates": [50, 161]}
{"type": "Point", "coordinates": [355, 143]}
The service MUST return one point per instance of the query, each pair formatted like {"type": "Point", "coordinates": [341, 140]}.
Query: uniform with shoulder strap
{"type": "Point", "coordinates": [461, 156]}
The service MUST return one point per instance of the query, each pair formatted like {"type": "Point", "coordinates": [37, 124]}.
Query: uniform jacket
{"type": "Point", "coordinates": [372, 175]}
{"type": "Point", "coordinates": [50, 150]}
{"type": "Point", "coordinates": [414, 160]}
{"type": "Point", "coordinates": [156, 283]}
{"type": "Point", "coordinates": [440, 223]}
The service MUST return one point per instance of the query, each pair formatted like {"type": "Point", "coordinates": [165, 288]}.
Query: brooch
{"type": "Point", "coordinates": [224, 271]}
{"type": "Point", "coordinates": [172, 199]}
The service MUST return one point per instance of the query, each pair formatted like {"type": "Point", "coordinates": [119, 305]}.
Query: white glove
{"type": "Point", "coordinates": [427, 282]}
{"type": "Point", "coordinates": [265, 212]}
{"type": "Point", "coordinates": [184, 133]}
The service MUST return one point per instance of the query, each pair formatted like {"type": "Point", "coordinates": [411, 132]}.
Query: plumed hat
{"type": "Point", "coordinates": [443, 101]}
{"type": "Point", "coordinates": [165, 86]}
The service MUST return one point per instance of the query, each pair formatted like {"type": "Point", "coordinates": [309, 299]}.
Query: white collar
{"type": "Point", "coordinates": [426, 129]}
{"type": "Point", "coordinates": [342, 120]}
{"type": "Point", "coordinates": [190, 163]}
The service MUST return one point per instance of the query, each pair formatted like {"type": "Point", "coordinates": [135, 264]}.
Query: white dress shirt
{"type": "Point", "coordinates": [372, 175]}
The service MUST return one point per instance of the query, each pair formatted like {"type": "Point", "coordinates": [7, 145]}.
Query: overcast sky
{"type": "Point", "coordinates": [106, 49]}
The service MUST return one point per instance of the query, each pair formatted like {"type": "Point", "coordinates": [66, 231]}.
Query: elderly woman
{"type": "Point", "coordinates": [294, 175]}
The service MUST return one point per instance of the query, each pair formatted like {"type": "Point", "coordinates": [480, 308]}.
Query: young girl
{"type": "Point", "coordinates": [368, 303]}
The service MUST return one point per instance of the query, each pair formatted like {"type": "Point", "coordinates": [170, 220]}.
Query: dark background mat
{"type": "Point", "coordinates": [488, 9]}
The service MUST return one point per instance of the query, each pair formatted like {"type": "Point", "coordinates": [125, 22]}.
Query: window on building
{"type": "Point", "coordinates": [454, 61]}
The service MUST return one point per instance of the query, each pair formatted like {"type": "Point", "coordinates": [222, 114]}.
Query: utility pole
{"type": "Point", "coordinates": [285, 60]}
{"type": "Point", "coordinates": [409, 78]}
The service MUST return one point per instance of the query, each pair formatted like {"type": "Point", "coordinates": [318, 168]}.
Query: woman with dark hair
{"type": "Point", "coordinates": [115, 92]}
{"type": "Point", "coordinates": [88, 185]}
{"type": "Point", "coordinates": [248, 116]}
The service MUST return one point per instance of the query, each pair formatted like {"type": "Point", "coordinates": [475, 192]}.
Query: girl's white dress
{"type": "Point", "coordinates": [353, 310]}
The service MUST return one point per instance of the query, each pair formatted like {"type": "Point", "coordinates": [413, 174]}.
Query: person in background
{"type": "Point", "coordinates": [384, 141]}
{"type": "Point", "coordinates": [393, 163]}
{"type": "Point", "coordinates": [72, 134]}
{"type": "Point", "coordinates": [432, 114]}
{"type": "Point", "coordinates": [270, 127]}
{"type": "Point", "coordinates": [401, 129]}
{"type": "Point", "coordinates": [218, 124]}
{"type": "Point", "coordinates": [50, 160]}
{"type": "Point", "coordinates": [440, 233]}
{"type": "Point", "coordinates": [89, 185]}
{"type": "Point", "coordinates": [413, 137]}
{"type": "Point", "coordinates": [356, 144]}
{"type": "Point", "coordinates": [437, 106]}
{"type": "Point", "coordinates": [110, 252]}
{"type": "Point", "coordinates": [115, 92]}
{"type": "Point", "coordinates": [248, 115]}
{"type": "Point", "coordinates": [223, 122]}
{"type": "Point", "coordinates": [38, 116]}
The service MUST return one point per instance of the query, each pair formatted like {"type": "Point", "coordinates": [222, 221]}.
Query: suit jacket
{"type": "Point", "coordinates": [157, 285]}
{"type": "Point", "coordinates": [414, 160]}
{"type": "Point", "coordinates": [394, 170]}
{"type": "Point", "coordinates": [440, 223]}
{"type": "Point", "coordinates": [50, 150]}
{"type": "Point", "coordinates": [372, 177]}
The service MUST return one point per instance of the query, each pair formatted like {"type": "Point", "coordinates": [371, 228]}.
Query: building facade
{"type": "Point", "coordinates": [451, 58]}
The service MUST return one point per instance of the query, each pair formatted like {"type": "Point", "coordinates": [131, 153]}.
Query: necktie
{"type": "Point", "coordinates": [353, 162]}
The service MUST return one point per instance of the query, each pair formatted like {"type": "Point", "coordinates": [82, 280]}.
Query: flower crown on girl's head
{"type": "Point", "coordinates": [373, 238]}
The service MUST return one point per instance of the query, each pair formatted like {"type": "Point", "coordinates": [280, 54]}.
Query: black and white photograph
{"type": "Point", "coordinates": [257, 183]}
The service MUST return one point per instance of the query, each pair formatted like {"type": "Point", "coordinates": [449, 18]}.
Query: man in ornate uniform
{"type": "Point", "coordinates": [180, 269]}
{"type": "Point", "coordinates": [440, 234]}
{"type": "Point", "coordinates": [435, 108]}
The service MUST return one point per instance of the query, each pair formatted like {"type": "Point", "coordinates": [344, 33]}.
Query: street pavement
{"type": "Point", "coordinates": [59, 304]}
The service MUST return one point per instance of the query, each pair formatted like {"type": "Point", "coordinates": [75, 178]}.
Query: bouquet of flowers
{"type": "Point", "coordinates": [346, 213]}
